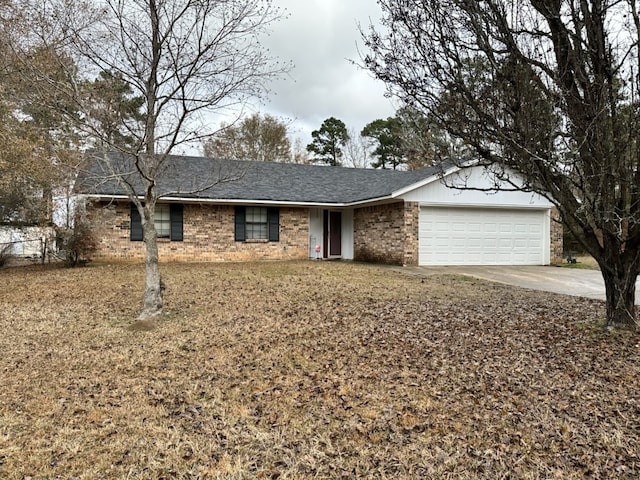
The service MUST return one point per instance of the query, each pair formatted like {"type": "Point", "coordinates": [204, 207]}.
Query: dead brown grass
{"type": "Point", "coordinates": [309, 370]}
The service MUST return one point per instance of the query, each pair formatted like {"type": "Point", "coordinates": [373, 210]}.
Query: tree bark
{"type": "Point", "coordinates": [620, 288]}
{"type": "Point", "coordinates": [153, 291]}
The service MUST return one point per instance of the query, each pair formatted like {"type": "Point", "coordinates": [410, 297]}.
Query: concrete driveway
{"type": "Point", "coordinates": [568, 281]}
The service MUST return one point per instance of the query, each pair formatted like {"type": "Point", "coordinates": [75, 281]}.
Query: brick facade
{"type": "Point", "coordinates": [208, 236]}
{"type": "Point", "coordinates": [557, 246]}
{"type": "Point", "coordinates": [411, 224]}
{"type": "Point", "coordinates": [382, 234]}
{"type": "Point", "coordinates": [387, 233]}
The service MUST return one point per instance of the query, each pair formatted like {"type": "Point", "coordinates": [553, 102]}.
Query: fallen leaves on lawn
{"type": "Point", "coordinates": [309, 370]}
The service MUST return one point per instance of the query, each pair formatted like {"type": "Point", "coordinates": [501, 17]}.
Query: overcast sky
{"type": "Point", "coordinates": [320, 37]}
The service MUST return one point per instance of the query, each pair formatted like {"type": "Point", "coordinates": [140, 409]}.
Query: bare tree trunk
{"type": "Point", "coordinates": [153, 291]}
{"type": "Point", "coordinates": [620, 288]}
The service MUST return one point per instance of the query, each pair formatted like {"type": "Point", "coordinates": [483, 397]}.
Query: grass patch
{"type": "Point", "coordinates": [309, 370]}
{"type": "Point", "coordinates": [585, 262]}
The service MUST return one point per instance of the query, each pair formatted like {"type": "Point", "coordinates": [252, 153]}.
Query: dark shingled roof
{"type": "Point", "coordinates": [185, 177]}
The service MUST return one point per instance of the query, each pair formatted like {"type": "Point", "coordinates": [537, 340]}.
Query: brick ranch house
{"type": "Point", "coordinates": [277, 211]}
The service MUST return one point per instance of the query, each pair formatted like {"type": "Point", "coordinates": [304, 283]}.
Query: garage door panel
{"type": "Point", "coordinates": [520, 258]}
{"type": "Point", "coordinates": [477, 236]}
{"type": "Point", "coordinates": [488, 256]}
{"type": "Point", "coordinates": [458, 242]}
{"type": "Point", "coordinates": [520, 243]}
{"type": "Point", "coordinates": [443, 256]}
{"type": "Point", "coordinates": [490, 228]}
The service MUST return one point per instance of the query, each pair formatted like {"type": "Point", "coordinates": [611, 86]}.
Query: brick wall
{"type": "Point", "coordinates": [411, 223]}
{"type": "Point", "coordinates": [208, 236]}
{"type": "Point", "coordinates": [382, 234]}
{"type": "Point", "coordinates": [387, 233]}
{"type": "Point", "coordinates": [556, 236]}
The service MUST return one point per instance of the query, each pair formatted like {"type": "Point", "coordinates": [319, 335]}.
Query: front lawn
{"type": "Point", "coordinates": [309, 370]}
{"type": "Point", "coordinates": [583, 261]}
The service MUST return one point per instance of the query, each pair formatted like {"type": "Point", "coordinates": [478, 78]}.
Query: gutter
{"type": "Point", "coordinates": [217, 201]}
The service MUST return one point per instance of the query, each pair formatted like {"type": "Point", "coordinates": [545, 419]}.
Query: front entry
{"type": "Point", "coordinates": [332, 227]}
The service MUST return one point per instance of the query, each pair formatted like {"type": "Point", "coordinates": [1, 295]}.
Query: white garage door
{"type": "Point", "coordinates": [477, 236]}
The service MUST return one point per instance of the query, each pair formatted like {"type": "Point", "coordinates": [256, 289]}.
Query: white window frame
{"type": "Point", "coordinates": [162, 220]}
{"type": "Point", "coordinates": [256, 223]}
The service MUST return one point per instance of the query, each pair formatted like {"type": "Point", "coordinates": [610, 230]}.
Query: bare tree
{"type": "Point", "coordinates": [257, 137]}
{"type": "Point", "coordinates": [299, 153]}
{"type": "Point", "coordinates": [547, 89]}
{"type": "Point", "coordinates": [184, 59]}
{"type": "Point", "coordinates": [356, 151]}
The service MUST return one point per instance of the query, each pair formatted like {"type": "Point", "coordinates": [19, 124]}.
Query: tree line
{"type": "Point", "coordinates": [408, 140]}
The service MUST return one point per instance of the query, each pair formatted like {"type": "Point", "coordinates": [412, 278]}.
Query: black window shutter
{"type": "Point", "coordinates": [240, 230]}
{"type": "Point", "coordinates": [175, 214]}
{"type": "Point", "coordinates": [136, 225]}
{"type": "Point", "coordinates": [273, 218]}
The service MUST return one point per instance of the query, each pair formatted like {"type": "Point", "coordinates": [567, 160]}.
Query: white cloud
{"type": "Point", "coordinates": [320, 37]}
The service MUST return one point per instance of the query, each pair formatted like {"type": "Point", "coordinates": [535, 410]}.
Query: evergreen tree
{"type": "Point", "coordinates": [328, 142]}
{"type": "Point", "coordinates": [387, 143]}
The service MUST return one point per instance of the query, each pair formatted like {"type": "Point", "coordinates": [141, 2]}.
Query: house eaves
{"type": "Point", "coordinates": [232, 201]}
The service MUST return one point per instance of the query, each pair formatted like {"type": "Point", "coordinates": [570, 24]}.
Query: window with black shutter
{"type": "Point", "coordinates": [168, 219]}
{"type": "Point", "coordinates": [257, 223]}
{"type": "Point", "coordinates": [175, 214]}
{"type": "Point", "coordinates": [135, 233]}
{"type": "Point", "coordinates": [240, 232]}
{"type": "Point", "coordinates": [162, 221]}
{"type": "Point", "coordinates": [273, 218]}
